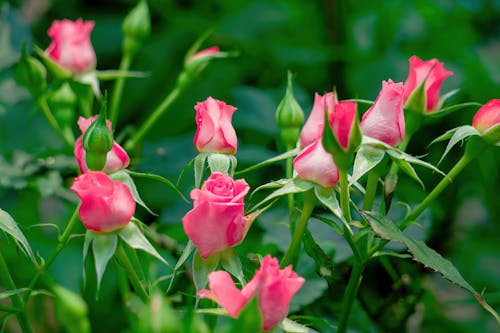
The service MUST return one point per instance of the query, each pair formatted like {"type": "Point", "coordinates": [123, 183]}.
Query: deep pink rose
{"type": "Point", "coordinates": [116, 159]}
{"type": "Point", "coordinates": [316, 165]}
{"type": "Point", "coordinates": [217, 220]}
{"type": "Point", "coordinates": [316, 118]}
{"type": "Point", "coordinates": [107, 205]}
{"type": "Point", "coordinates": [435, 73]}
{"type": "Point", "coordinates": [215, 133]}
{"type": "Point", "coordinates": [385, 120]}
{"type": "Point", "coordinates": [273, 286]}
{"type": "Point", "coordinates": [487, 116]}
{"type": "Point", "coordinates": [342, 122]}
{"type": "Point", "coordinates": [71, 47]}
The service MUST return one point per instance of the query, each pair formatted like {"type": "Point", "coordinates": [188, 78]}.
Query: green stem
{"type": "Point", "coordinates": [371, 190]}
{"type": "Point", "coordinates": [68, 138]}
{"type": "Point", "coordinates": [131, 273]}
{"type": "Point", "coordinates": [350, 294]}
{"type": "Point", "coordinates": [344, 195]}
{"type": "Point", "coordinates": [17, 300]}
{"type": "Point", "coordinates": [61, 243]}
{"type": "Point", "coordinates": [157, 113]}
{"type": "Point", "coordinates": [291, 201]}
{"type": "Point", "coordinates": [291, 253]}
{"type": "Point", "coordinates": [118, 89]}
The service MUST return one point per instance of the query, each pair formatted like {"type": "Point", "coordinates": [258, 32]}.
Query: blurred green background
{"type": "Point", "coordinates": [352, 45]}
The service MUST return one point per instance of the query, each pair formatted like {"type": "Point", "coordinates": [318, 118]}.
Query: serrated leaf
{"type": "Point", "coordinates": [290, 326]}
{"type": "Point", "coordinates": [295, 185]}
{"type": "Point", "coordinates": [366, 159]}
{"type": "Point", "coordinates": [272, 160]}
{"type": "Point", "coordinates": [232, 264]}
{"type": "Point", "coordinates": [460, 134]}
{"type": "Point", "coordinates": [409, 170]}
{"type": "Point", "coordinates": [103, 247]}
{"type": "Point", "coordinates": [324, 265]}
{"type": "Point", "coordinates": [203, 267]}
{"type": "Point", "coordinates": [8, 225]}
{"type": "Point", "coordinates": [386, 229]}
{"type": "Point", "coordinates": [13, 292]}
{"type": "Point", "coordinates": [199, 168]}
{"type": "Point", "coordinates": [134, 237]}
{"type": "Point", "coordinates": [124, 177]}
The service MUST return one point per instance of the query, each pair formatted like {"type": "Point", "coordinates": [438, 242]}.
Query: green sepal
{"type": "Point", "coordinates": [203, 267]}
{"type": "Point", "coordinates": [492, 135]}
{"type": "Point", "coordinates": [417, 102]}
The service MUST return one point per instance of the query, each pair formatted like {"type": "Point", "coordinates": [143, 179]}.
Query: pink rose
{"type": "Point", "coordinates": [435, 73]}
{"type": "Point", "coordinates": [317, 117]}
{"type": "Point", "coordinates": [385, 120]}
{"type": "Point", "coordinates": [487, 116]}
{"type": "Point", "coordinates": [316, 165]}
{"type": "Point", "coordinates": [116, 159]}
{"type": "Point", "coordinates": [217, 220]}
{"type": "Point", "coordinates": [215, 133]}
{"type": "Point", "coordinates": [107, 205]}
{"type": "Point", "coordinates": [71, 47]}
{"type": "Point", "coordinates": [342, 122]}
{"type": "Point", "coordinates": [273, 286]}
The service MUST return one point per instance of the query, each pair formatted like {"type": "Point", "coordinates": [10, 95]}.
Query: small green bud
{"type": "Point", "coordinates": [289, 116]}
{"type": "Point", "coordinates": [97, 142]}
{"type": "Point", "coordinates": [71, 310]}
{"type": "Point", "coordinates": [63, 102]}
{"type": "Point", "coordinates": [31, 73]}
{"type": "Point", "coordinates": [136, 27]}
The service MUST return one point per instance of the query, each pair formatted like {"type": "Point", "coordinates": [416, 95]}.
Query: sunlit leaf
{"type": "Point", "coordinates": [460, 134]}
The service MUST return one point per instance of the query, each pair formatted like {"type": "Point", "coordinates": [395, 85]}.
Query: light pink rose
{"type": "Point", "coordinates": [116, 159]}
{"type": "Point", "coordinates": [342, 122]}
{"type": "Point", "coordinates": [107, 205]}
{"type": "Point", "coordinates": [487, 116]}
{"type": "Point", "coordinates": [71, 46]}
{"type": "Point", "coordinates": [215, 133]}
{"type": "Point", "coordinates": [315, 164]}
{"type": "Point", "coordinates": [385, 120]}
{"type": "Point", "coordinates": [217, 220]}
{"type": "Point", "coordinates": [435, 73]}
{"type": "Point", "coordinates": [317, 117]}
{"type": "Point", "coordinates": [274, 288]}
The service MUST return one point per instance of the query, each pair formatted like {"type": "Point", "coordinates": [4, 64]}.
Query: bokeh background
{"type": "Point", "coordinates": [352, 45]}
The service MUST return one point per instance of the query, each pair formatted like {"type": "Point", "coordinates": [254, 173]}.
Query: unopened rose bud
{"type": "Point", "coordinates": [63, 102]}
{"type": "Point", "coordinates": [136, 27]}
{"type": "Point", "coordinates": [289, 116]}
{"type": "Point", "coordinates": [31, 73]}
{"type": "Point", "coordinates": [97, 142]}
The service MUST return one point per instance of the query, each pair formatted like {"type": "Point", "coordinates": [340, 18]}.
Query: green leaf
{"type": "Point", "coordinates": [328, 198]}
{"type": "Point", "coordinates": [182, 260]}
{"type": "Point", "coordinates": [249, 320]}
{"type": "Point", "coordinates": [409, 170]}
{"type": "Point", "coordinates": [112, 74]}
{"type": "Point", "coordinates": [386, 229]}
{"type": "Point", "coordinates": [134, 237]}
{"type": "Point", "coordinates": [13, 292]}
{"type": "Point", "coordinates": [103, 246]}
{"type": "Point", "coordinates": [460, 133]}
{"type": "Point", "coordinates": [290, 326]}
{"type": "Point", "coordinates": [232, 264]}
{"type": "Point", "coordinates": [8, 225]}
{"type": "Point", "coordinates": [199, 168]}
{"type": "Point", "coordinates": [161, 179]}
{"type": "Point", "coordinates": [272, 160]}
{"type": "Point", "coordinates": [366, 159]}
{"type": "Point", "coordinates": [124, 177]}
{"type": "Point", "coordinates": [452, 108]}
{"type": "Point", "coordinates": [324, 265]}
{"type": "Point", "coordinates": [203, 267]}
{"type": "Point", "coordinates": [295, 185]}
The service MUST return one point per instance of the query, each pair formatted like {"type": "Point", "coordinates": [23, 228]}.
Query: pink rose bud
{"type": "Point", "coordinates": [317, 117]}
{"type": "Point", "coordinates": [217, 220]}
{"type": "Point", "coordinates": [433, 72]}
{"type": "Point", "coordinates": [487, 116]}
{"type": "Point", "coordinates": [71, 47]}
{"type": "Point", "coordinates": [116, 158]}
{"type": "Point", "coordinates": [211, 51]}
{"type": "Point", "coordinates": [316, 165]}
{"type": "Point", "coordinates": [342, 122]}
{"type": "Point", "coordinates": [385, 120]}
{"type": "Point", "coordinates": [215, 133]}
{"type": "Point", "coordinates": [107, 205]}
{"type": "Point", "coordinates": [273, 286]}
